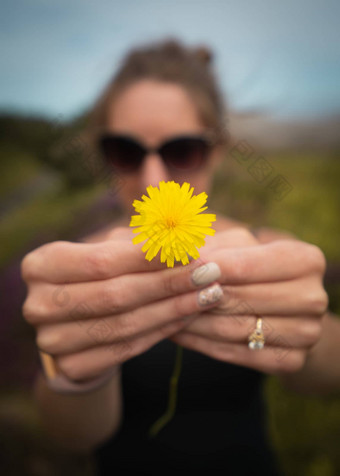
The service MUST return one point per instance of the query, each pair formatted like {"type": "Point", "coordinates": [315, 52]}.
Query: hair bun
{"type": "Point", "coordinates": [204, 54]}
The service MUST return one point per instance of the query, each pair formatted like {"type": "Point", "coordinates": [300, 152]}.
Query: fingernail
{"type": "Point", "coordinates": [210, 295]}
{"type": "Point", "coordinates": [206, 274]}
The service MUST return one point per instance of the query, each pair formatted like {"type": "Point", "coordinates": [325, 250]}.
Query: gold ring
{"type": "Point", "coordinates": [256, 338]}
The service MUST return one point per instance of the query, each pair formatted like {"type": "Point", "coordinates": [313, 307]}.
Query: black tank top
{"type": "Point", "coordinates": [220, 423]}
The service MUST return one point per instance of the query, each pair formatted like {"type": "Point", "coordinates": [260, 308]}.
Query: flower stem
{"type": "Point", "coordinates": [164, 419]}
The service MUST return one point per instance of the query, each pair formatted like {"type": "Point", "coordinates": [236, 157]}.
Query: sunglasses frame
{"type": "Point", "coordinates": [205, 138]}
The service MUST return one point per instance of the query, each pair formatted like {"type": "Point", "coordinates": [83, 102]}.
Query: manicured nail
{"type": "Point", "coordinates": [210, 295]}
{"type": "Point", "coordinates": [206, 274]}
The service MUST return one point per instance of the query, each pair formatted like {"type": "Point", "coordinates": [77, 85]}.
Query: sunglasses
{"type": "Point", "coordinates": [179, 154]}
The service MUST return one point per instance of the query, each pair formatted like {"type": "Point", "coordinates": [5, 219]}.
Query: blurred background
{"type": "Point", "coordinates": [279, 66]}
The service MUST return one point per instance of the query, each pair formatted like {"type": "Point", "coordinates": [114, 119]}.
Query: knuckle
{"type": "Point", "coordinates": [113, 295]}
{"type": "Point", "coordinates": [99, 263]}
{"type": "Point", "coordinates": [315, 258]}
{"type": "Point", "coordinates": [48, 341]}
{"type": "Point", "coordinates": [68, 367]}
{"type": "Point", "coordinates": [28, 312]}
{"type": "Point", "coordinates": [293, 362]}
{"type": "Point", "coordinates": [32, 312]}
{"type": "Point", "coordinates": [53, 248]}
{"type": "Point", "coordinates": [36, 310]}
{"type": "Point", "coordinates": [119, 232]}
{"type": "Point", "coordinates": [317, 302]}
{"type": "Point", "coordinates": [30, 263]}
{"type": "Point", "coordinates": [324, 302]}
{"type": "Point", "coordinates": [27, 266]}
{"type": "Point", "coordinates": [126, 325]}
{"type": "Point", "coordinates": [243, 236]}
{"type": "Point", "coordinates": [310, 332]}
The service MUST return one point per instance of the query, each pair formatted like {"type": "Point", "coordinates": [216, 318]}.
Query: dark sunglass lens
{"type": "Point", "coordinates": [185, 153]}
{"type": "Point", "coordinates": [122, 153]}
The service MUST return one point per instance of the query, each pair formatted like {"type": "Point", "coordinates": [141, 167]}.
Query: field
{"type": "Point", "coordinates": [42, 200]}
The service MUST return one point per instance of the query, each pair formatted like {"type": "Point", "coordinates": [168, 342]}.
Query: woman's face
{"type": "Point", "coordinates": [152, 112]}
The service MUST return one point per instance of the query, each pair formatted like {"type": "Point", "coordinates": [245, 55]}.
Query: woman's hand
{"type": "Point", "coordinates": [281, 282]}
{"type": "Point", "coordinates": [96, 305]}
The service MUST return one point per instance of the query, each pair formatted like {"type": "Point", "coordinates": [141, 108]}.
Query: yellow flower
{"type": "Point", "coordinates": [171, 220]}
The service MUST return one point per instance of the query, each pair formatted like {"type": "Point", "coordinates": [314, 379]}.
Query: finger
{"type": "Point", "coordinates": [270, 359]}
{"type": "Point", "coordinates": [50, 303]}
{"type": "Point", "coordinates": [109, 233]}
{"type": "Point", "coordinates": [304, 296]}
{"type": "Point", "coordinates": [277, 261]}
{"type": "Point", "coordinates": [66, 262]}
{"type": "Point", "coordinates": [94, 361]}
{"type": "Point", "coordinates": [64, 337]}
{"type": "Point", "coordinates": [302, 332]}
{"type": "Point", "coordinates": [121, 232]}
{"type": "Point", "coordinates": [231, 238]}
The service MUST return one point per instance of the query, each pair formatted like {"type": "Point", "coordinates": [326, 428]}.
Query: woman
{"type": "Point", "coordinates": [112, 320]}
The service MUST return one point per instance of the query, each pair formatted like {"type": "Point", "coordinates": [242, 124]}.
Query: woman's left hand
{"type": "Point", "coordinates": [281, 282]}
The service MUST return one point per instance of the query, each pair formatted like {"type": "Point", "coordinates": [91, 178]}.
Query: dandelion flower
{"type": "Point", "coordinates": [171, 221]}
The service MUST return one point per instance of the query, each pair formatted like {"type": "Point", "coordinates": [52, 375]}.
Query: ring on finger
{"type": "Point", "coordinates": [256, 339]}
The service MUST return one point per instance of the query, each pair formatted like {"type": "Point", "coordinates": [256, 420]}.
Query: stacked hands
{"type": "Point", "coordinates": [96, 305]}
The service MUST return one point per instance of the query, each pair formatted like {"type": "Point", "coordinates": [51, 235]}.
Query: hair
{"type": "Point", "coordinates": [169, 61]}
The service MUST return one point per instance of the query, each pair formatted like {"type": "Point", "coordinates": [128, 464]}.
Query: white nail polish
{"type": "Point", "coordinates": [210, 295]}
{"type": "Point", "coordinates": [206, 274]}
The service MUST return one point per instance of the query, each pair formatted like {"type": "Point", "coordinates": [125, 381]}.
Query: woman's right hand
{"type": "Point", "coordinates": [96, 305]}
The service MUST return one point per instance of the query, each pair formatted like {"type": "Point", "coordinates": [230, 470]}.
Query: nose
{"type": "Point", "coordinates": [153, 171]}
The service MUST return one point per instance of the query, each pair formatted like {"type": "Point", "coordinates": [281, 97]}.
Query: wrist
{"type": "Point", "coordinates": [61, 384]}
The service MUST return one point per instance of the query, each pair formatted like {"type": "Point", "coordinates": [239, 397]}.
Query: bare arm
{"type": "Point", "coordinates": [78, 423]}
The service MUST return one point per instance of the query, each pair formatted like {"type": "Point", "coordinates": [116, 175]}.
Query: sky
{"type": "Point", "coordinates": [279, 57]}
